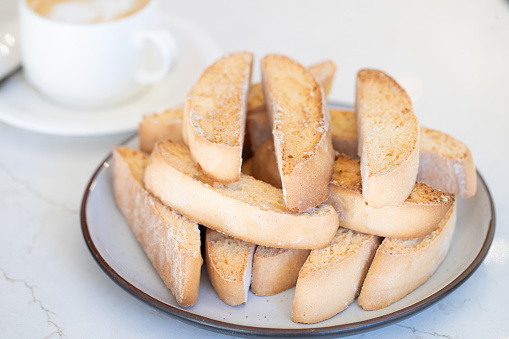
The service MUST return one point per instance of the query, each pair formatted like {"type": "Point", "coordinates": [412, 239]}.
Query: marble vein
{"type": "Point", "coordinates": [35, 192]}
{"type": "Point", "coordinates": [434, 334]}
{"type": "Point", "coordinates": [49, 319]}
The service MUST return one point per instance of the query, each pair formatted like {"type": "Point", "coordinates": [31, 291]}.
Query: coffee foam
{"type": "Point", "coordinates": [85, 11]}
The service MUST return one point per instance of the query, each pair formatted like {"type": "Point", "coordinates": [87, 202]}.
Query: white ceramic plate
{"type": "Point", "coordinates": [24, 107]}
{"type": "Point", "coordinates": [116, 250]}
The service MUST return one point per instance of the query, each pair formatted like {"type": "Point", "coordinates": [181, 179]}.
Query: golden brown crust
{"type": "Point", "coordinates": [417, 216]}
{"type": "Point", "coordinates": [331, 277]}
{"type": "Point", "coordinates": [250, 210]}
{"type": "Point", "coordinates": [229, 263]}
{"type": "Point", "coordinates": [171, 241]}
{"type": "Point", "coordinates": [276, 269]}
{"type": "Point", "coordinates": [215, 116]}
{"type": "Point", "coordinates": [388, 133]}
{"type": "Point", "coordinates": [301, 131]}
{"type": "Point", "coordinates": [323, 72]}
{"type": "Point", "coordinates": [400, 266]}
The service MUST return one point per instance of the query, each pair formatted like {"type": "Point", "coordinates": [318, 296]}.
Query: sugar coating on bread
{"type": "Point", "coordinates": [331, 277]}
{"type": "Point", "coordinates": [171, 241]}
{"type": "Point", "coordinates": [229, 266]}
{"type": "Point", "coordinates": [249, 209]}
{"type": "Point", "coordinates": [247, 189]}
{"type": "Point", "coordinates": [346, 242]}
{"type": "Point", "coordinates": [229, 255]}
{"type": "Point", "coordinates": [388, 123]}
{"type": "Point", "coordinates": [297, 109]}
{"type": "Point", "coordinates": [218, 99]}
{"type": "Point", "coordinates": [323, 72]}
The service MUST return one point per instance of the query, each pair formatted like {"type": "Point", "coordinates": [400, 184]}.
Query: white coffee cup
{"type": "Point", "coordinates": [94, 64]}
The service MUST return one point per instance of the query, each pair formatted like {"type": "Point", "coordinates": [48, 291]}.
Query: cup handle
{"type": "Point", "coordinates": [166, 47]}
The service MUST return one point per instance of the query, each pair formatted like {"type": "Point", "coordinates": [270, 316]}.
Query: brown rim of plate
{"type": "Point", "coordinates": [241, 330]}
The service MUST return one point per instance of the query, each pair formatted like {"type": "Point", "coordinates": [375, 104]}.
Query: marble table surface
{"type": "Point", "coordinates": [453, 59]}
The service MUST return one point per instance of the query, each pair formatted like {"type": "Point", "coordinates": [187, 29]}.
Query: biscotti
{"type": "Point", "coordinates": [388, 132]}
{"type": "Point", "coordinates": [323, 72]}
{"type": "Point", "coordinates": [171, 241]}
{"type": "Point", "coordinates": [343, 130]}
{"type": "Point", "coordinates": [446, 163]}
{"type": "Point", "coordinates": [229, 263]}
{"type": "Point", "coordinates": [300, 126]}
{"type": "Point", "coordinates": [276, 269]}
{"type": "Point", "coordinates": [166, 125]}
{"type": "Point", "coordinates": [215, 116]}
{"type": "Point", "coordinates": [331, 277]}
{"type": "Point", "coordinates": [416, 217]}
{"type": "Point", "coordinates": [402, 265]}
{"type": "Point", "coordinates": [250, 209]}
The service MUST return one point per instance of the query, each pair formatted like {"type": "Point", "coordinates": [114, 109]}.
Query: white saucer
{"type": "Point", "coordinates": [24, 107]}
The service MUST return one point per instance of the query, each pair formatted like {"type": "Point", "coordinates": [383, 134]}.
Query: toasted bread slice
{"type": "Point", "coordinates": [402, 265]}
{"type": "Point", "coordinates": [388, 133]}
{"type": "Point", "coordinates": [171, 241]}
{"type": "Point", "coordinates": [446, 163]}
{"type": "Point", "coordinates": [249, 209]}
{"type": "Point", "coordinates": [276, 269]}
{"type": "Point", "coordinates": [229, 265]}
{"type": "Point", "coordinates": [343, 130]}
{"type": "Point", "coordinates": [215, 116]}
{"type": "Point", "coordinates": [416, 217]}
{"type": "Point", "coordinates": [331, 277]}
{"type": "Point", "coordinates": [323, 72]}
{"type": "Point", "coordinates": [155, 127]}
{"type": "Point", "coordinates": [300, 126]}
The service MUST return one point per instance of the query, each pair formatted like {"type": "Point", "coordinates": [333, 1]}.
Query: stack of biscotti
{"type": "Point", "coordinates": [246, 210]}
{"type": "Point", "coordinates": [417, 218]}
{"type": "Point", "coordinates": [274, 224]}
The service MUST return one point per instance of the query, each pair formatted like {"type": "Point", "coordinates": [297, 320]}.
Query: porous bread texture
{"type": "Point", "coordinates": [170, 240]}
{"type": "Point", "coordinates": [301, 129]}
{"type": "Point", "coordinates": [323, 72]}
{"type": "Point", "coordinates": [343, 130]}
{"type": "Point", "coordinates": [388, 133]}
{"type": "Point", "coordinates": [276, 269]}
{"type": "Point", "coordinates": [215, 116]}
{"type": "Point", "coordinates": [402, 265]}
{"type": "Point", "coordinates": [446, 163]}
{"type": "Point", "coordinates": [229, 265]}
{"type": "Point", "coordinates": [331, 277]}
{"type": "Point", "coordinates": [249, 209]}
{"type": "Point", "coordinates": [166, 125]}
{"type": "Point", "coordinates": [417, 216]}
